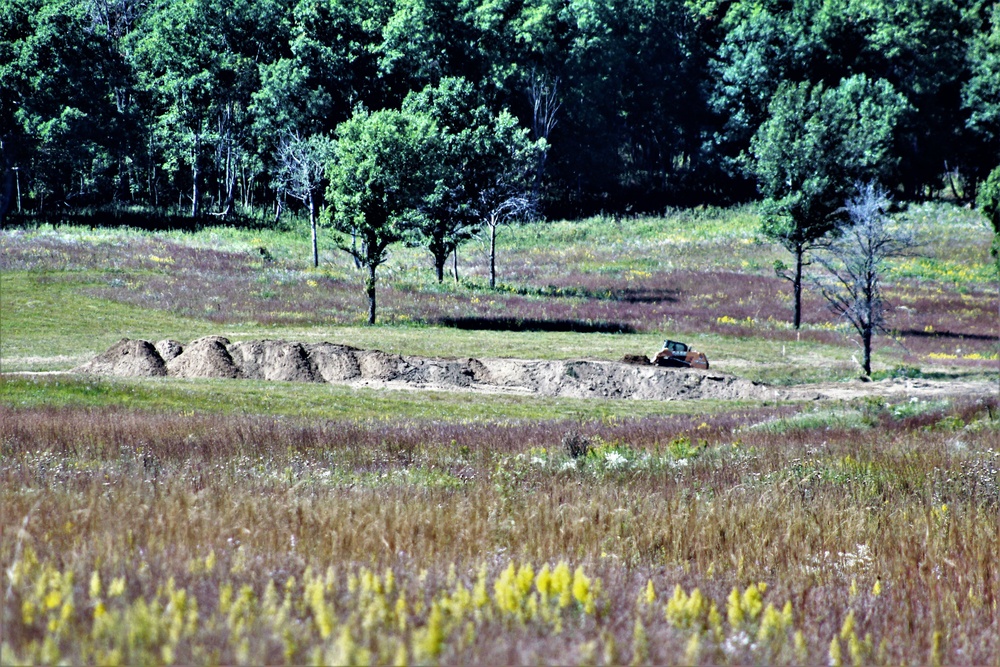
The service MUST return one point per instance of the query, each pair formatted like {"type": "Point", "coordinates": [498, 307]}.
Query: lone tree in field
{"type": "Point", "coordinates": [855, 260]}
{"type": "Point", "coordinates": [448, 218]}
{"type": "Point", "coordinates": [384, 168]}
{"type": "Point", "coordinates": [486, 170]}
{"type": "Point", "coordinates": [805, 156]}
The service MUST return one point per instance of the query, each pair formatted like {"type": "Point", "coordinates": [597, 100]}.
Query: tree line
{"type": "Point", "coordinates": [200, 107]}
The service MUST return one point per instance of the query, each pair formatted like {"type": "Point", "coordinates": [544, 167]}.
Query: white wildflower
{"type": "Point", "coordinates": [615, 460]}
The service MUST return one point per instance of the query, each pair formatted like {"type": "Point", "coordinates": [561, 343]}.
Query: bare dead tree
{"type": "Point", "coordinates": [544, 96]}
{"type": "Point", "coordinates": [302, 166]}
{"type": "Point", "coordinates": [543, 93]}
{"type": "Point", "coordinates": [855, 261]}
{"type": "Point", "coordinates": [505, 210]}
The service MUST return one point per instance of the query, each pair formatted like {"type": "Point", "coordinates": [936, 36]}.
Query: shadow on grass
{"type": "Point", "coordinates": [147, 220]}
{"type": "Point", "coordinates": [628, 295]}
{"type": "Point", "coordinates": [945, 334]}
{"type": "Point", "coordinates": [645, 295]}
{"type": "Point", "coordinates": [529, 324]}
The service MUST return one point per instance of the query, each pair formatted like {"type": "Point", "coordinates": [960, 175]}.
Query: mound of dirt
{"type": "Point", "coordinates": [276, 360]}
{"type": "Point", "coordinates": [335, 363]}
{"type": "Point", "coordinates": [273, 360]}
{"type": "Point", "coordinates": [636, 360]}
{"type": "Point", "coordinates": [608, 379]}
{"type": "Point", "coordinates": [127, 357]}
{"type": "Point", "coordinates": [169, 349]}
{"type": "Point", "coordinates": [206, 357]}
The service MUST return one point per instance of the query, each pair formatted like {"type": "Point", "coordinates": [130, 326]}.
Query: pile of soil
{"type": "Point", "coordinates": [207, 357]}
{"type": "Point", "coordinates": [169, 349]}
{"type": "Point", "coordinates": [129, 358]}
{"type": "Point", "coordinates": [276, 360]}
{"type": "Point", "coordinates": [273, 360]}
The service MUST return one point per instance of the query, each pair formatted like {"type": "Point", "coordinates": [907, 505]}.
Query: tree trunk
{"type": "Point", "coordinates": [454, 265]}
{"type": "Point", "coordinates": [797, 287]}
{"type": "Point", "coordinates": [277, 209]}
{"type": "Point", "coordinates": [227, 208]}
{"type": "Point", "coordinates": [370, 289]}
{"type": "Point", "coordinates": [440, 249]}
{"type": "Point", "coordinates": [312, 225]}
{"type": "Point", "coordinates": [195, 211]}
{"type": "Point", "coordinates": [866, 340]}
{"type": "Point", "coordinates": [493, 256]}
{"type": "Point", "coordinates": [354, 249]}
{"type": "Point", "coordinates": [194, 192]}
{"type": "Point", "coordinates": [439, 262]}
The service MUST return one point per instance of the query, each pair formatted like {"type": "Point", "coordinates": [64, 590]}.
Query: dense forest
{"type": "Point", "coordinates": [207, 108]}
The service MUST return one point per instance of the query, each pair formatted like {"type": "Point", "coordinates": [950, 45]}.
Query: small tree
{"type": "Point", "coordinates": [384, 167]}
{"type": "Point", "coordinates": [855, 260]}
{"type": "Point", "coordinates": [448, 219]}
{"type": "Point", "coordinates": [485, 170]}
{"type": "Point", "coordinates": [301, 169]}
{"type": "Point", "coordinates": [504, 177]}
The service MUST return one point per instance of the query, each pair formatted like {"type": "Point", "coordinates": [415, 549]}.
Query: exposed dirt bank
{"type": "Point", "coordinates": [217, 357]}
{"type": "Point", "coordinates": [277, 360]}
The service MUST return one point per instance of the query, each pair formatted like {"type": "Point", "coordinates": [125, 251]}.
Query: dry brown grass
{"type": "Point", "coordinates": [819, 514]}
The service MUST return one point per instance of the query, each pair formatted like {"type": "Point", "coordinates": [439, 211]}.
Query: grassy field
{"type": "Point", "coordinates": [179, 521]}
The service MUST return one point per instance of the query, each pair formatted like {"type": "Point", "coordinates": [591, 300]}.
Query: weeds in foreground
{"type": "Point", "coordinates": [136, 538]}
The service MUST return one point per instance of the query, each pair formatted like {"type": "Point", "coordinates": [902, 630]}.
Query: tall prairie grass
{"type": "Point", "coordinates": [756, 536]}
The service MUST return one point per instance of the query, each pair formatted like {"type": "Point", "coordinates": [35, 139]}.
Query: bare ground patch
{"type": "Point", "coordinates": [279, 360]}
{"type": "Point", "coordinates": [217, 357]}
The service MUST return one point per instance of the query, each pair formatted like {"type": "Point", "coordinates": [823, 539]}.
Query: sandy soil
{"type": "Point", "coordinates": [898, 388]}
{"type": "Point", "coordinates": [278, 360]}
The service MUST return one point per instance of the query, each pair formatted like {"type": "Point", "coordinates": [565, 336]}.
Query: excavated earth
{"type": "Point", "coordinates": [217, 357]}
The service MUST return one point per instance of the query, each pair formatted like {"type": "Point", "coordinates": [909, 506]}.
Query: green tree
{"type": "Point", "coordinates": [484, 156]}
{"type": "Point", "coordinates": [424, 41]}
{"type": "Point", "coordinates": [752, 60]}
{"type": "Point", "coordinates": [918, 47]}
{"type": "Point", "coordinates": [816, 142]}
{"type": "Point", "coordinates": [448, 219]}
{"type": "Point", "coordinates": [385, 167]}
{"type": "Point", "coordinates": [325, 68]}
{"type": "Point", "coordinates": [57, 110]}
{"type": "Point", "coordinates": [988, 201]}
{"type": "Point", "coordinates": [981, 91]}
{"type": "Point", "coordinates": [198, 65]}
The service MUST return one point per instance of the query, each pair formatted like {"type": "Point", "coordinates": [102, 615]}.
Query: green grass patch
{"type": "Point", "coordinates": [48, 323]}
{"type": "Point", "coordinates": [324, 401]}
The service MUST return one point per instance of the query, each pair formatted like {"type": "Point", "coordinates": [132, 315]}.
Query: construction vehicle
{"type": "Point", "coordinates": [680, 355]}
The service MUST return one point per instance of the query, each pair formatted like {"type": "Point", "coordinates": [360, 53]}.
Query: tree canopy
{"type": "Point", "coordinates": [386, 165]}
{"type": "Point", "coordinates": [181, 106]}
